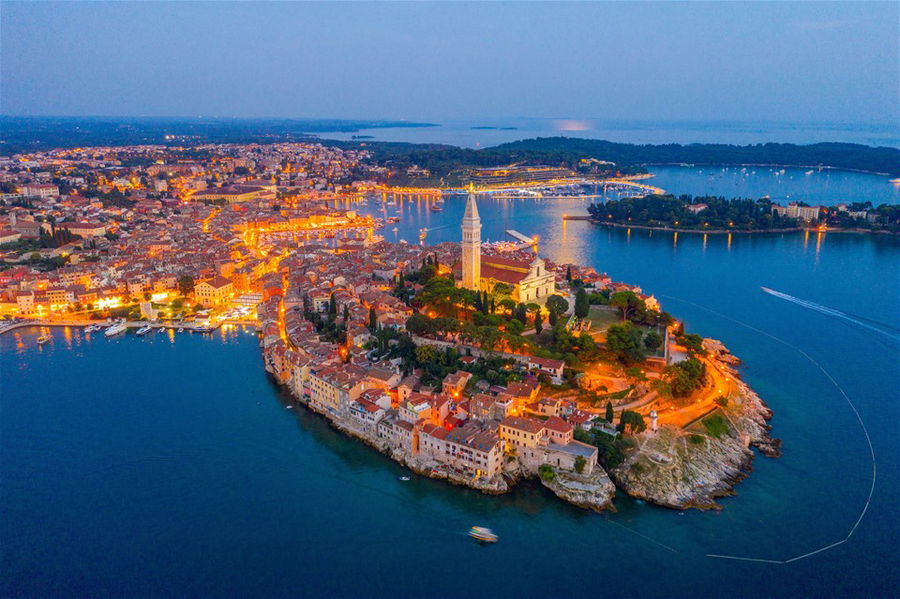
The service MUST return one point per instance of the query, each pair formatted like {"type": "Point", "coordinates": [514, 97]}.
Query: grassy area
{"type": "Point", "coordinates": [601, 318]}
{"type": "Point", "coordinates": [716, 425]}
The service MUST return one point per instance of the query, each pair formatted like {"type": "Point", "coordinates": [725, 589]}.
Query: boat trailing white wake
{"type": "Point", "coordinates": [880, 328]}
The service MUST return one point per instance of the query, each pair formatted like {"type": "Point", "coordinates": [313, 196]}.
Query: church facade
{"type": "Point", "coordinates": [529, 281]}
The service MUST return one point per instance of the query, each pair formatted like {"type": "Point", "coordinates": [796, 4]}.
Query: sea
{"type": "Point", "coordinates": [480, 133]}
{"type": "Point", "coordinates": [171, 465]}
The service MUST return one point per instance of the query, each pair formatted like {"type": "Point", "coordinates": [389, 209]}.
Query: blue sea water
{"type": "Point", "coordinates": [169, 465]}
{"type": "Point", "coordinates": [492, 132]}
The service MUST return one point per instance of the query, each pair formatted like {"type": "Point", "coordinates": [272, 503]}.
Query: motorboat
{"type": "Point", "coordinates": [144, 330]}
{"type": "Point", "coordinates": [404, 478]}
{"type": "Point", "coordinates": [180, 329]}
{"type": "Point", "coordinates": [483, 535]}
{"type": "Point", "coordinates": [43, 339]}
{"type": "Point", "coordinates": [116, 329]}
{"type": "Point", "coordinates": [91, 328]}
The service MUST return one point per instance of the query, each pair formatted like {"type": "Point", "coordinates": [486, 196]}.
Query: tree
{"type": "Point", "coordinates": [346, 313]}
{"type": "Point", "coordinates": [501, 291]}
{"type": "Point", "coordinates": [373, 319]}
{"type": "Point", "coordinates": [515, 327]}
{"type": "Point", "coordinates": [582, 305]}
{"type": "Point", "coordinates": [693, 342]}
{"type": "Point", "coordinates": [629, 419]}
{"type": "Point", "coordinates": [569, 272]}
{"type": "Point", "coordinates": [185, 284]}
{"type": "Point", "coordinates": [546, 472]}
{"type": "Point", "coordinates": [624, 340]}
{"type": "Point", "coordinates": [538, 325]}
{"type": "Point", "coordinates": [426, 354]}
{"type": "Point", "coordinates": [628, 302]}
{"type": "Point", "coordinates": [652, 341]}
{"type": "Point", "coordinates": [685, 376]}
{"type": "Point", "coordinates": [580, 463]}
{"type": "Point", "coordinates": [332, 306]}
{"type": "Point", "coordinates": [609, 412]}
{"type": "Point", "coordinates": [557, 303]}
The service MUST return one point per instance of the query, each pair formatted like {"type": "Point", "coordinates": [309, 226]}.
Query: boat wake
{"type": "Point", "coordinates": [846, 398]}
{"type": "Point", "coordinates": [879, 327]}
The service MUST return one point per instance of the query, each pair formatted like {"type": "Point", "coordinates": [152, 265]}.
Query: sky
{"type": "Point", "coordinates": [804, 62]}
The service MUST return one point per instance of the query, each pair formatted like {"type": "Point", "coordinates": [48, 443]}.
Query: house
{"type": "Point", "coordinates": [552, 368]}
{"type": "Point", "coordinates": [213, 292]}
{"type": "Point", "coordinates": [455, 382]}
{"type": "Point", "coordinates": [521, 431]}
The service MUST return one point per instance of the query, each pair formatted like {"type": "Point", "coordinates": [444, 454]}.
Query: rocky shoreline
{"type": "Point", "coordinates": [677, 469]}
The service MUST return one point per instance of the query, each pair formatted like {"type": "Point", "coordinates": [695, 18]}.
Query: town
{"type": "Point", "coordinates": [482, 364]}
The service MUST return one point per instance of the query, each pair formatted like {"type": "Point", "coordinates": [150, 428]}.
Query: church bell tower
{"type": "Point", "coordinates": [471, 244]}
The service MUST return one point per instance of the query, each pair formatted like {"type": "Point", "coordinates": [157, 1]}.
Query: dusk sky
{"type": "Point", "coordinates": [804, 62]}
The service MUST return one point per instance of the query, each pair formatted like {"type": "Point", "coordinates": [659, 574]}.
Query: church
{"type": "Point", "coordinates": [529, 280]}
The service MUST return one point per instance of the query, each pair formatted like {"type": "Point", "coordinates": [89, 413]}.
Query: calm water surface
{"type": "Point", "coordinates": [169, 465]}
{"type": "Point", "coordinates": [470, 133]}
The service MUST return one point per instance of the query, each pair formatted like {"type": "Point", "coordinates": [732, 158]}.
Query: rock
{"type": "Point", "coordinates": [672, 469]}
{"type": "Point", "coordinates": [595, 492]}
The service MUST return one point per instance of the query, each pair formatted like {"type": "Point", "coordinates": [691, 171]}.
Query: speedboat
{"type": "Point", "coordinates": [404, 478]}
{"type": "Point", "coordinates": [144, 330]}
{"type": "Point", "coordinates": [91, 328]}
{"type": "Point", "coordinates": [43, 339]}
{"type": "Point", "coordinates": [180, 329]}
{"type": "Point", "coordinates": [483, 535]}
{"type": "Point", "coordinates": [119, 327]}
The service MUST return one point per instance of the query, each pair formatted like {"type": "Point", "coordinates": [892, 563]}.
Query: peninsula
{"type": "Point", "coordinates": [711, 215]}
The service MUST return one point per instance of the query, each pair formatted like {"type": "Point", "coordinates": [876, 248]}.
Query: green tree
{"type": "Point", "coordinates": [582, 305]}
{"type": "Point", "coordinates": [373, 319]}
{"type": "Point", "coordinates": [557, 303]}
{"type": "Point", "coordinates": [426, 354]}
{"type": "Point", "coordinates": [629, 419]}
{"type": "Point", "coordinates": [652, 341]}
{"type": "Point", "coordinates": [580, 463]}
{"type": "Point", "coordinates": [546, 472]}
{"type": "Point", "coordinates": [185, 284]}
{"type": "Point", "coordinates": [628, 302]}
{"type": "Point", "coordinates": [624, 341]}
{"type": "Point", "coordinates": [609, 412]}
{"type": "Point", "coordinates": [538, 325]}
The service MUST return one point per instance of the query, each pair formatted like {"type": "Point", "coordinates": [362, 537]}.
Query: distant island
{"type": "Point", "coordinates": [449, 165]}
{"type": "Point", "coordinates": [495, 128]}
{"type": "Point", "coordinates": [446, 164]}
{"type": "Point", "coordinates": [711, 214]}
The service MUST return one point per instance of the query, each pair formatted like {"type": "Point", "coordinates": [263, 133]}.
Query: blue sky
{"type": "Point", "coordinates": [804, 62]}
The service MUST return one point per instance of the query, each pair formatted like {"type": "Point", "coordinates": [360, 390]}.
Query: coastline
{"type": "Point", "coordinates": [692, 231]}
{"type": "Point", "coordinates": [728, 231]}
{"type": "Point", "coordinates": [712, 472]}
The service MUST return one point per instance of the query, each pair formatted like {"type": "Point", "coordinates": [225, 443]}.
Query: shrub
{"type": "Point", "coordinates": [716, 425]}
{"type": "Point", "coordinates": [547, 473]}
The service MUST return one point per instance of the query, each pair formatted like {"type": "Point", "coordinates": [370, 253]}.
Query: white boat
{"type": "Point", "coordinates": [483, 535]}
{"type": "Point", "coordinates": [91, 328]}
{"type": "Point", "coordinates": [43, 339]}
{"type": "Point", "coordinates": [144, 330]}
{"type": "Point", "coordinates": [404, 478]}
{"type": "Point", "coordinates": [180, 329]}
{"type": "Point", "coordinates": [119, 327]}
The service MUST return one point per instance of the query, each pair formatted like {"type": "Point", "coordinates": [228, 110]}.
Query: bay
{"type": "Point", "coordinates": [169, 465]}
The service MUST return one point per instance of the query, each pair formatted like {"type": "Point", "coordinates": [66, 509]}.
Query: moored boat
{"type": "Point", "coordinates": [43, 339]}
{"type": "Point", "coordinates": [144, 330]}
{"type": "Point", "coordinates": [119, 327]}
